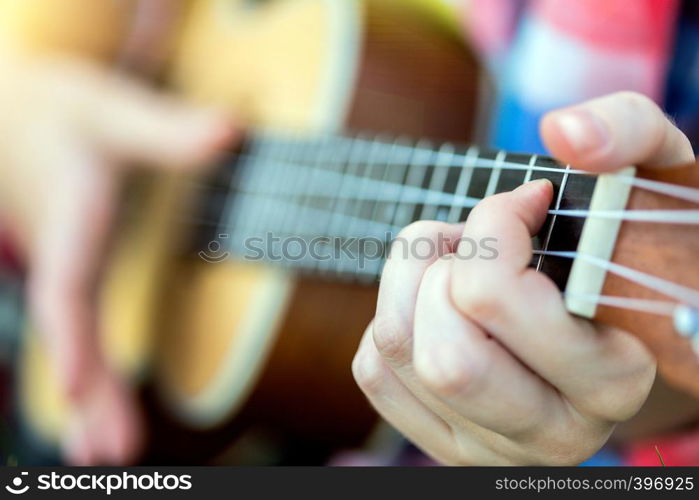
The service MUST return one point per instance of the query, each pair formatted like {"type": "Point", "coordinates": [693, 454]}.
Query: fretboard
{"type": "Point", "coordinates": [332, 205]}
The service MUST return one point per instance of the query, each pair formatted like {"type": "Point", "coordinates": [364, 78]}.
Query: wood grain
{"type": "Point", "coordinates": [668, 251]}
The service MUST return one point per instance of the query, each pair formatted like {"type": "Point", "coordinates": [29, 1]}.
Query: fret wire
{"type": "Point", "coordinates": [431, 198]}
{"type": "Point", "coordinates": [484, 163]}
{"type": "Point", "coordinates": [285, 162]}
{"type": "Point", "coordinates": [495, 174]}
{"type": "Point", "coordinates": [559, 198]}
{"type": "Point", "coordinates": [530, 169]}
{"type": "Point", "coordinates": [379, 184]}
{"type": "Point", "coordinates": [353, 273]}
{"type": "Point", "coordinates": [357, 153]}
{"type": "Point", "coordinates": [369, 167]}
{"type": "Point", "coordinates": [288, 218]}
{"type": "Point", "coordinates": [464, 183]}
{"type": "Point", "coordinates": [400, 178]}
{"type": "Point", "coordinates": [271, 179]}
{"type": "Point", "coordinates": [437, 183]}
{"type": "Point", "coordinates": [684, 217]}
{"type": "Point", "coordinates": [346, 220]}
{"type": "Point", "coordinates": [488, 163]}
{"type": "Point", "coordinates": [302, 220]}
{"type": "Point", "coordinates": [381, 191]}
{"type": "Point", "coordinates": [388, 235]}
{"type": "Point", "coordinates": [460, 158]}
{"type": "Point", "coordinates": [254, 220]}
{"type": "Point", "coordinates": [235, 211]}
{"type": "Point", "coordinates": [325, 211]}
{"type": "Point", "coordinates": [248, 215]}
{"type": "Point", "coordinates": [336, 162]}
{"type": "Point", "coordinates": [421, 158]}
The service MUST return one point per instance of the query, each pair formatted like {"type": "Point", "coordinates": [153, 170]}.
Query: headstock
{"type": "Point", "coordinates": [668, 251]}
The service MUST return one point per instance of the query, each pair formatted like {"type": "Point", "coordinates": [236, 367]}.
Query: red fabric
{"type": "Point", "coordinates": [676, 450]}
{"type": "Point", "coordinates": [617, 25]}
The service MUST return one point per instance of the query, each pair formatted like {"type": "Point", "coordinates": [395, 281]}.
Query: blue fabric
{"type": "Point", "coordinates": [605, 457]}
{"type": "Point", "coordinates": [682, 89]}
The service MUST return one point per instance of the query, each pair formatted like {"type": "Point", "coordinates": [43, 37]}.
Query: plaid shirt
{"type": "Point", "coordinates": [545, 54]}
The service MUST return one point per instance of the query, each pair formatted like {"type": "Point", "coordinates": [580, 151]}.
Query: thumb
{"type": "Point", "coordinates": [135, 123]}
{"type": "Point", "coordinates": [615, 131]}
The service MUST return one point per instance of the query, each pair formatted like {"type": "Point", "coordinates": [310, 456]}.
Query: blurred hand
{"type": "Point", "coordinates": [69, 132]}
{"type": "Point", "coordinates": [477, 361]}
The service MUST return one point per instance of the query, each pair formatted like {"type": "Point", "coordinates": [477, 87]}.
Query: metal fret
{"type": "Point", "coordinates": [559, 198]}
{"type": "Point", "coordinates": [237, 213]}
{"type": "Point", "coordinates": [306, 216]}
{"type": "Point", "coordinates": [269, 214]}
{"type": "Point", "coordinates": [396, 173]}
{"type": "Point", "coordinates": [530, 170]}
{"type": "Point", "coordinates": [464, 182]}
{"type": "Point", "coordinates": [358, 153]}
{"type": "Point", "coordinates": [495, 174]}
{"type": "Point", "coordinates": [422, 157]}
{"type": "Point", "coordinates": [438, 181]}
{"type": "Point", "coordinates": [391, 175]}
{"type": "Point", "coordinates": [336, 160]}
{"type": "Point", "coordinates": [296, 179]}
{"type": "Point", "coordinates": [345, 265]}
{"type": "Point", "coordinates": [339, 188]}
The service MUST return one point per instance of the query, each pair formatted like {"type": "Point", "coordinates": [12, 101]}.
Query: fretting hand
{"type": "Point", "coordinates": [477, 361]}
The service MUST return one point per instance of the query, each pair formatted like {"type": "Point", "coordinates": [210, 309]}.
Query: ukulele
{"type": "Point", "coordinates": [233, 334]}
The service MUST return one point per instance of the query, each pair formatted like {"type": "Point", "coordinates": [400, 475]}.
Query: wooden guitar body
{"type": "Point", "coordinates": [215, 341]}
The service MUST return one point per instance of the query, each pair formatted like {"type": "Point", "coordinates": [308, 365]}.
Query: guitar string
{"type": "Point", "coordinates": [670, 216]}
{"type": "Point", "coordinates": [685, 313]}
{"type": "Point", "coordinates": [685, 319]}
{"type": "Point", "coordinates": [680, 192]}
{"type": "Point", "coordinates": [383, 191]}
{"type": "Point", "coordinates": [672, 190]}
{"type": "Point", "coordinates": [659, 307]}
{"type": "Point", "coordinates": [684, 294]}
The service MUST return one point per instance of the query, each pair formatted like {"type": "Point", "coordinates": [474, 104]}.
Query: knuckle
{"type": "Point", "coordinates": [368, 371]}
{"type": "Point", "coordinates": [419, 229]}
{"type": "Point", "coordinates": [392, 338]}
{"type": "Point", "coordinates": [621, 396]}
{"type": "Point", "coordinates": [447, 372]}
{"type": "Point", "coordinates": [420, 239]}
{"type": "Point", "coordinates": [635, 99]}
{"type": "Point", "coordinates": [643, 106]}
{"type": "Point", "coordinates": [479, 299]}
{"type": "Point", "coordinates": [621, 401]}
{"type": "Point", "coordinates": [487, 205]}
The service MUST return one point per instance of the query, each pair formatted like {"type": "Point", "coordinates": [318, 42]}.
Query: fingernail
{"type": "Point", "coordinates": [584, 132]}
{"type": "Point", "coordinates": [535, 184]}
{"type": "Point", "coordinates": [538, 182]}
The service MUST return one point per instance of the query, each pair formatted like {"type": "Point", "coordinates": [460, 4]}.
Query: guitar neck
{"type": "Point", "coordinates": [333, 204]}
